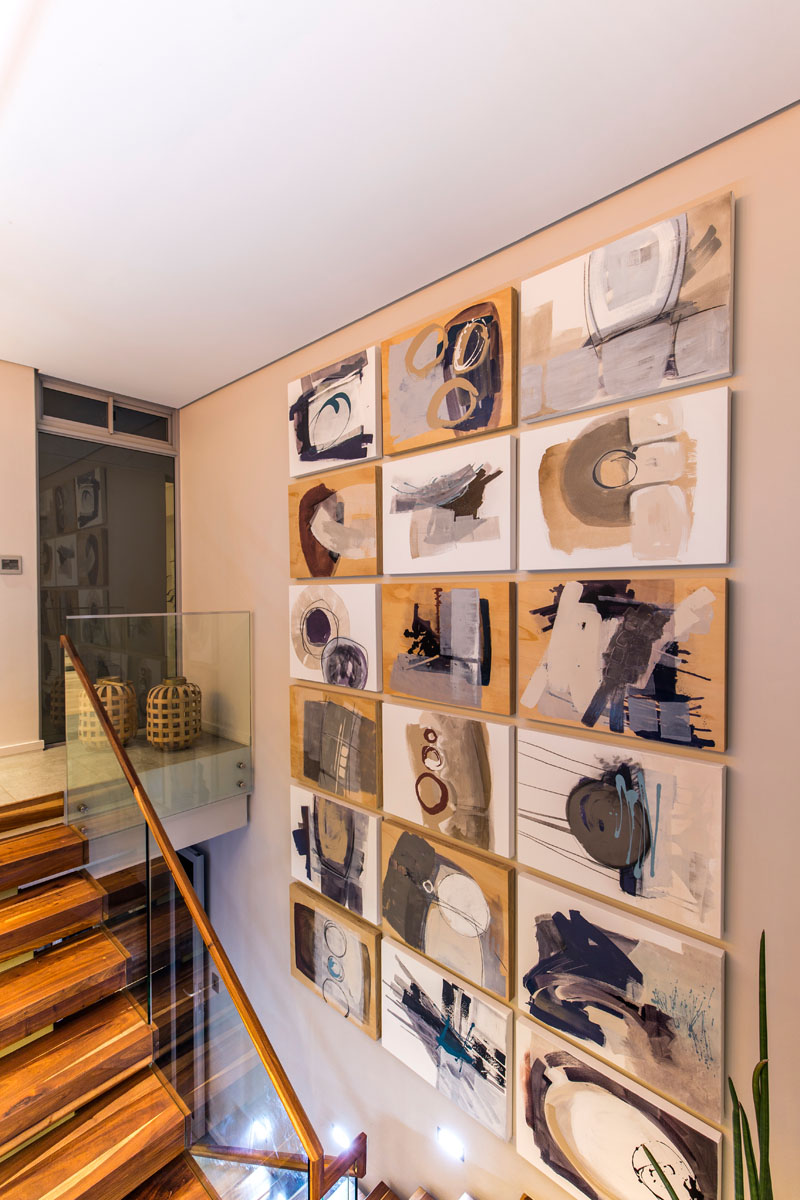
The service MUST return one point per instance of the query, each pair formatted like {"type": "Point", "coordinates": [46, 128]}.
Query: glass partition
{"type": "Point", "coordinates": [177, 688]}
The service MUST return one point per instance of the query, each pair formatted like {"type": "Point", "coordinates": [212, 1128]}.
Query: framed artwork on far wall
{"type": "Point", "coordinates": [335, 849]}
{"type": "Point", "coordinates": [90, 497]}
{"type": "Point", "coordinates": [333, 415]}
{"type": "Point", "coordinates": [334, 527]}
{"type": "Point", "coordinates": [335, 743]}
{"type": "Point", "coordinates": [333, 634]}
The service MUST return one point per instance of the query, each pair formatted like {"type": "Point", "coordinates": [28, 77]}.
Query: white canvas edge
{"type": "Point", "coordinates": [298, 469]}
{"type": "Point", "coordinates": [501, 1009]}
{"type": "Point", "coordinates": [509, 817]}
{"type": "Point", "coordinates": [524, 1027]}
{"type": "Point", "coordinates": [626, 924]}
{"type": "Point", "coordinates": [398, 561]}
{"type": "Point", "coordinates": [710, 523]}
{"type": "Point", "coordinates": [296, 791]}
{"type": "Point", "coordinates": [375, 671]}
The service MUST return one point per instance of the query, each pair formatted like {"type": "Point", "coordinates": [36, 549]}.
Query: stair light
{"type": "Point", "coordinates": [260, 1130]}
{"type": "Point", "coordinates": [341, 1137]}
{"type": "Point", "coordinates": [450, 1143]}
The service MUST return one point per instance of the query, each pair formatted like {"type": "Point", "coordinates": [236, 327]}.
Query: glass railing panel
{"type": "Point", "coordinates": [186, 681]}
{"type": "Point", "coordinates": [238, 1120]}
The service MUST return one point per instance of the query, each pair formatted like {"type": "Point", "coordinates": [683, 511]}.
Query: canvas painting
{"type": "Point", "coordinates": [454, 1037]}
{"type": "Point", "coordinates": [647, 312]}
{"type": "Point", "coordinates": [451, 376]}
{"type": "Point", "coordinates": [333, 415]}
{"type": "Point", "coordinates": [640, 485]}
{"type": "Point", "coordinates": [47, 563]}
{"type": "Point", "coordinates": [334, 743]}
{"type": "Point", "coordinates": [65, 553]}
{"type": "Point", "coordinates": [639, 656]}
{"type": "Point", "coordinates": [452, 775]}
{"type": "Point", "coordinates": [64, 506]}
{"type": "Point", "coordinates": [450, 510]}
{"type": "Point", "coordinates": [93, 558]}
{"type": "Point", "coordinates": [450, 904]}
{"type": "Point", "coordinates": [333, 525]}
{"type": "Point", "coordinates": [333, 635]}
{"type": "Point", "coordinates": [642, 997]}
{"type": "Point", "coordinates": [90, 499]}
{"type": "Point", "coordinates": [645, 829]}
{"type": "Point", "coordinates": [449, 643]}
{"type": "Point", "coordinates": [335, 851]}
{"type": "Point", "coordinates": [47, 514]}
{"type": "Point", "coordinates": [337, 956]}
{"type": "Point", "coordinates": [587, 1128]}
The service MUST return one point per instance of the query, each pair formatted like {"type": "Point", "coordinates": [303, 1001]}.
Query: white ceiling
{"type": "Point", "coordinates": [190, 189]}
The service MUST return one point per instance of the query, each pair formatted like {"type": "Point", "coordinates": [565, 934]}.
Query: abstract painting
{"type": "Point", "coordinates": [90, 500]}
{"type": "Point", "coordinates": [451, 376]}
{"type": "Point", "coordinates": [337, 956]}
{"type": "Point", "coordinates": [640, 485]}
{"type": "Point", "coordinates": [588, 1128]}
{"type": "Point", "coordinates": [65, 552]}
{"type": "Point", "coordinates": [47, 514]}
{"type": "Point", "coordinates": [93, 558]}
{"type": "Point", "coordinates": [642, 997]}
{"type": "Point", "coordinates": [64, 503]}
{"type": "Point", "coordinates": [450, 904]}
{"type": "Point", "coordinates": [455, 1038]}
{"type": "Point", "coordinates": [453, 775]}
{"type": "Point", "coordinates": [335, 850]}
{"type": "Point", "coordinates": [450, 510]}
{"type": "Point", "coordinates": [642, 314]}
{"type": "Point", "coordinates": [333, 415]}
{"type": "Point", "coordinates": [322, 621]}
{"type": "Point", "coordinates": [333, 524]}
{"type": "Point", "coordinates": [47, 563]}
{"type": "Point", "coordinates": [334, 743]}
{"type": "Point", "coordinates": [646, 829]}
{"type": "Point", "coordinates": [449, 643]}
{"type": "Point", "coordinates": [644, 656]}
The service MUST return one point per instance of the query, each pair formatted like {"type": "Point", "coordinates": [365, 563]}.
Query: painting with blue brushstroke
{"type": "Point", "coordinates": [644, 998]}
{"type": "Point", "coordinates": [643, 829]}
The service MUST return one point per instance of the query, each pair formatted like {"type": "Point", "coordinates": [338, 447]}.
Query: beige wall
{"type": "Point", "coordinates": [234, 504]}
{"type": "Point", "coordinates": [19, 596]}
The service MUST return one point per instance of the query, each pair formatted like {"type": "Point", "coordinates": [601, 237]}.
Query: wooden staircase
{"type": "Point", "coordinates": [384, 1192]}
{"type": "Point", "coordinates": [84, 1112]}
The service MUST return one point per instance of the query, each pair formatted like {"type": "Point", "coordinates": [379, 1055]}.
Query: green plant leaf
{"type": "Point", "coordinates": [738, 1166]}
{"type": "Point", "coordinates": [750, 1158]}
{"type": "Point", "coordinates": [671, 1193]}
{"type": "Point", "coordinates": [763, 1050]}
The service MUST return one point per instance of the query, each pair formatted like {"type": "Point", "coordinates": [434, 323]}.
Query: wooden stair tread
{"type": "Point", "coordinates": [83, 1056]}
{"type": "Point", "coordinates": [176, 1181]}
{"type": "Point", "coordinates": [421, 1194]}
{"type": "Point", "coordinates": [42, 852]}
{"type": "Point", "coordinates": [20, 814]}
{"type": "Point", "coordinates": [170, 931]}
{"type": "Point", "coordinates": [126, 889]}
{"type": "Point", "coordinates": [59, 983]}
{"type": "Point", "coordinates": [49, 911]}
{"type": "Point", "coordinates": [382, 1192]}
{"type": "Point", "coordinates": [105, 1150]}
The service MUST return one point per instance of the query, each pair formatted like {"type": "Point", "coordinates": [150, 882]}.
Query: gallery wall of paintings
{"type": "Point", "coordinates": [509, 661]}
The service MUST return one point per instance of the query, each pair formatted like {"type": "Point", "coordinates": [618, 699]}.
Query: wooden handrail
{"type": "Point", "coordinates": [354, 1159]}
{"type": "Point", "coordinates": [280, 1080]}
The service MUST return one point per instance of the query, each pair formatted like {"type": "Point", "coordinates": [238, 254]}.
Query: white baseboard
{"type": "Point", "coordinates": [22, 748]}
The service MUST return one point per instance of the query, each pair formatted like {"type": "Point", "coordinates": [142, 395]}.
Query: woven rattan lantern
{"type": "Point", "coordinates": [119, 700]}
{"type": "Point", "coordinates": [58, 705]}
{"type": "Point", "coordinates": [173, 714]}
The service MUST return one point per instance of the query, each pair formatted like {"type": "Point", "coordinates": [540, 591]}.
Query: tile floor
{"type": "Point", "coordinates": [36, 773]}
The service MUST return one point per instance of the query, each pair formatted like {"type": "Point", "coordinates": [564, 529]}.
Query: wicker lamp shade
{"type": "Point", "coordinates": [174, 714]}
{"type": "Point", "coordinates": [119, 700]}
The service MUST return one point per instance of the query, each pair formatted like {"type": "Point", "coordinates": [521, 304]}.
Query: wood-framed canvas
{"type": "Point", "coordinates": [643, 484]}
{"type": "Point", "coordinates": [642, 656]}
{"type": "Point", "coordinates": [639, 315]}
{"type": "Point", "coordinates": [333, 634]}
{"type": "Point", "coordinates": [642, 997]}
{"type": "Point", "coordinates": [643, 829]}
{"type": "Point", "coordinates": [334, 526]}
{"type": "Point", "coordinates": [337, 956]}
{"type": "Point", "coordinates": [335, 743]}
{"type": "Point", "coordinates": [333, 415]}
{"type": "Point", "coordinates": [451, 376]}
{"type": "Point", "coordinates": [454, 775]}
{"type": "Point", "coordinates": [449, 642]}
{"type": "Point", "coordinates": [586, 1127]}
{"type": "Point", "coordinates": [449, 1033]}
{"type": "Point", "coordinates": [451, 510]}
{"type": "Point", "coordinates": [450, 904]}
{"type": "Point", "coordinates": [335, 849]}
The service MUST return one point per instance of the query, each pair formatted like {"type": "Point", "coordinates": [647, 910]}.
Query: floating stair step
{"type": "Point", "coordinates": [171, 928]}
{"type": "Point", "coordinates": [105, 1150]}
{"type": "Point", "coordinates": [59, 983]}
{"type": "Point", "coordinates": [49, 911]}
{"type": "Point", "coordinates": [127, 890]}
{"type": "Point", "coordinates": [21, 814]}
{"type": "Point", "coordinates": [421, 1194]}
{"type": "Point", "coordinates": [43, 852]}
{"type": "Point", "coordinates": [382, 1192]}
{"type": "Point", "coordinates": [176, 1181]}
{"type": "Point", "coordinates": [84, 1056]}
